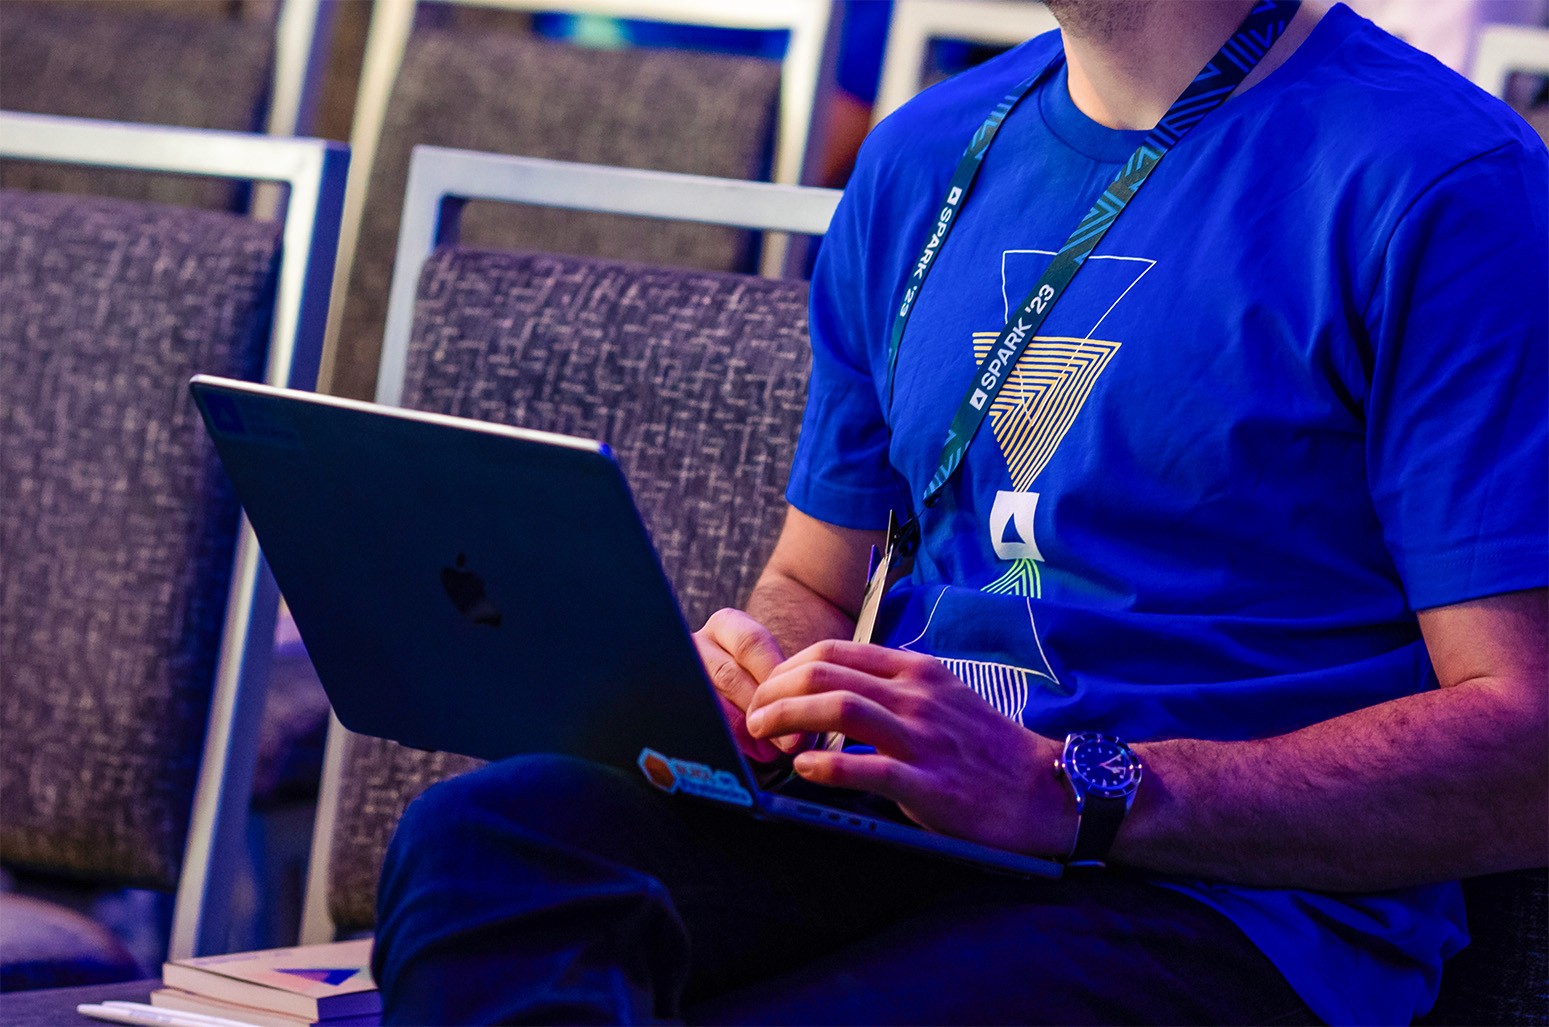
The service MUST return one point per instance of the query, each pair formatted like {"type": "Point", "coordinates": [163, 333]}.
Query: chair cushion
{"type": "Point", "coordinates": [43, 945]}
{"type": "Point", "coordinates": [294, 727]}
{"type": "Point", "coordinates": [707, 114]}
{"type": "Point", "coordinates": [50, 1007]}
{"type": "Point", "coordinates": [125, 62]}
{"type": "Point", "coordinates": [1502, 977]}
{"type": "Point", "coordinates": [696, 379]}
{"type": "Point", "coordinates": [117, 526]}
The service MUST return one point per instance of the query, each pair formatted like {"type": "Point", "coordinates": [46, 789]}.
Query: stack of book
{"type": "Point", "coordinates": [324, 985]}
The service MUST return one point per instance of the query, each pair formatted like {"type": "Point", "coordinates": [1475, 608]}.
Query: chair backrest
{"type": "Point", "coordinates": [696, 379]}
{"type": "Point", "coordinates": [1502, 977]}
{"type": "Point", "coordinates": [129, 591]}
{"type": "Point", "coordinates": [1504, 50]}
{"type": "Point", "coordinates": [506, 92]}
{"type": "Point", "coordinates": [207, 64]}
{"type": "Point", "coordinates": [916, 24]}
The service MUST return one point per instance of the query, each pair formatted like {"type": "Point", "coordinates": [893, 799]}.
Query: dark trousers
{"type": "Point", "coordinates": [546, 889]}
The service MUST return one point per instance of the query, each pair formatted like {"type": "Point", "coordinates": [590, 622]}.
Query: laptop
{"type": "Point", "coordinates": [474, 588]}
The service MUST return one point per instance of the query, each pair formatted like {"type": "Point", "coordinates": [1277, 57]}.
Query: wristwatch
{"type": "Point", "coordinates": [1104, 774]}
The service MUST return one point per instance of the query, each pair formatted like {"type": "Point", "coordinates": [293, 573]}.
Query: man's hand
{"type": "Point", "coordinates": [739, 653]}
{"type": "Point", "coordinates": [808, 591]}
{"type": "Point", "coordinates": [949, 759]}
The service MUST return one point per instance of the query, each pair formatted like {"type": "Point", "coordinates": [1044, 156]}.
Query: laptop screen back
{"type": "Point", "coordinates": [467, 587]}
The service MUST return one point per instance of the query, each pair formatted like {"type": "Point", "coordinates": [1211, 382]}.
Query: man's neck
{"type": "Point", "coordinates": [1130, 59]}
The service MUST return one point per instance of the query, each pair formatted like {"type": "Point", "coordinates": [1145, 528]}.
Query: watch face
{"type": "Point", "coordinates": [1103, 765]}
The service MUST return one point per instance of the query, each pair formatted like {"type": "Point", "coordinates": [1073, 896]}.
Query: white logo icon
{"type": "Point", "coordinates": [1011, 526]}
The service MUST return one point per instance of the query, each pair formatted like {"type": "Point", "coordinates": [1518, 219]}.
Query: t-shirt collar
{"type": "Point", "coordinates": [1079, 132]}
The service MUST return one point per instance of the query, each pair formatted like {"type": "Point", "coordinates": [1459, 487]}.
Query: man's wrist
{"type": "Point", "coordinates": [1103, 775]}
{"type": "Point", "coordinates": [1050, 810]}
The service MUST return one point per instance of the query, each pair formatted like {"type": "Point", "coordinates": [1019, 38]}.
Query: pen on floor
{"type": "Point", "coordinates": [139, 1012]}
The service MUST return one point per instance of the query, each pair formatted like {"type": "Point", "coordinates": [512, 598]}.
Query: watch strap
{"type": "Point", "coordinates": [1097, 825]}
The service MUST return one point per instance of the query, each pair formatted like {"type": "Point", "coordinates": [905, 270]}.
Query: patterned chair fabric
{"type": "Point", "coordinates": [705, 114]}
{"type": "Point", "coordinates": [188, 63]}
{"type": "Point", "coordinates": [696, 379]}
{"type": "Point", "coordinates": [117, 527]}
{"type": "Point", "coordinates": [47, 945]}
{"type": "Point", "coordinates": [1503, 975]}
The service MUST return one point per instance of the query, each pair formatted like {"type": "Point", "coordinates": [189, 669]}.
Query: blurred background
{"type": "Point", "coordinates": [783, 91]}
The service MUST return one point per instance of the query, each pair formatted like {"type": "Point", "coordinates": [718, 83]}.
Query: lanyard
{"type": "Point", "coordinates": [1215, 82]}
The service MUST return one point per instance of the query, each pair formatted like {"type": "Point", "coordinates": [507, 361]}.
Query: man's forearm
{"type": "Point", "coordinates": [1434, 786]}
{"type": "Point", "coordinates": [1446, 783]}
{"type": "Point", "coordinates": [796, 615]}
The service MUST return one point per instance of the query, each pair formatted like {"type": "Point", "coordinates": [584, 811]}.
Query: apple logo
{"type": "Point", "coordinates": [466, 590]}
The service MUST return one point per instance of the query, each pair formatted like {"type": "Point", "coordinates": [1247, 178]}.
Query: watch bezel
{"type": "Point", "coordinates": [1128, 780]}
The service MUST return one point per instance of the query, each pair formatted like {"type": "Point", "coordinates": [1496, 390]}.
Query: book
{"type": "Point", "coordinates": [310, 983]}
{"type": "Point", "coordinates": [188, 1002]}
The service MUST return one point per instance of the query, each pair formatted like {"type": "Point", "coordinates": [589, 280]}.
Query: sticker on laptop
{"type": "Point", "coordinates": [692, 778]}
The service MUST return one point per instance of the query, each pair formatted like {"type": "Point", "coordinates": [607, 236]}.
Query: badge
{"type": "Point", "coordinates": [899, 546]}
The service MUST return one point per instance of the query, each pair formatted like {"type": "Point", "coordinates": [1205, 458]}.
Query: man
{"type": "Point", "coordinates": [1262, 501]}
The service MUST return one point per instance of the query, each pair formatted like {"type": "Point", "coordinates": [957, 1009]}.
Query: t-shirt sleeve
{"type": "Point", "coordinates": [841, 472]}
{"type": "Point", "coordinates": [1458, 412]}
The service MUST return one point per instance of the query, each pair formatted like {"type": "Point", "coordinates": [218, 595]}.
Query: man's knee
{"type": "Point", "coordinates": [504, 875]}
{"type": "Point", "coordinates": [505, 787]}
{"type": "Point", "coordinates": [571, 802]}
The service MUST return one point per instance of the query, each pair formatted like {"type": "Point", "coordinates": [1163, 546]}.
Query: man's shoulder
{"type": "Point", "coordinates": [1390, 106]}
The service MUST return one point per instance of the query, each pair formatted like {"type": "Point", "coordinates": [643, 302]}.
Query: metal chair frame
{"type": "Point", "coordinates": [302, 31]}
{"type": "Point", "coordinates": [1503, 50]}
{"type": "Point", "coordinates": [916, 23]}
{"type": "Point", "coordinates": [314, 173]}
{"type": "Point", "coordinates": [807, 65]}
{"type": "Point", "coordinates": [301, 38]}
{"type": "Point", "coordinates": [440, 182]}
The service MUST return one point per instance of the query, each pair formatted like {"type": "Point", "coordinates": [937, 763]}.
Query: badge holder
{"type": "Point", "coordinates": [897, 549]}
{"type": "Point", "coordinates": [899, 546]}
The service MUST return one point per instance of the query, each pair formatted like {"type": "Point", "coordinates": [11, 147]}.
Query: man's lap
{"type": "Point", "coordinates": [662, 907]}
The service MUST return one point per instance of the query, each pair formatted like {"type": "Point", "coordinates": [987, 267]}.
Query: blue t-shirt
{"type": "Point", "coordinates": [1297, 394]}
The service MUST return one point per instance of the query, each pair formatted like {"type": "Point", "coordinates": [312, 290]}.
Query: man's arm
{"type": "Point", "coordinates": [810, 590]}
{"type": "Point", "coordinates": [1442, 784]}
{"type": "Point", "coordinates": [1447, 783]}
